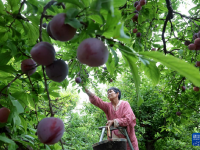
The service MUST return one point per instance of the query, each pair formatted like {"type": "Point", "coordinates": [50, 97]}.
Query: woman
{"type": "Point", "coordinates": [118, 113]}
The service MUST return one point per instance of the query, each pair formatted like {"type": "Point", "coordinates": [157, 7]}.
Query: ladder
{"type": "Point", "coordinates": [121, 129]}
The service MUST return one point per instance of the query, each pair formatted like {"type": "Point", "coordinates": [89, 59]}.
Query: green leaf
{"type": "Point", "coordinates": [73, 22]}
{"type": "Point", "coordinates": [151, 71]}
{"type": "Point", "coordinates": [72, 13]}
{"type": "Point", "coordinates": [14, 5]}
{"type": "Point", "coordinates": [23, 123]}
{"type": "Point", "coordinates": [115, 56]}
{"type": "Point", "coordinates": [109, 64]}
{"type": "Point", "coordinates": [78, 3]}
{"type": "Point", "coordinates": [5, 139]}
{"type": "Point", "coordinates": [119, 3]}
{"type": "Point", "coordinates": [120, 34]}
{"type": "Point", "coordinates": [7, 68]}
{"type": "Point", "coordinates": [131, 59]}
{"type": "Point", "coordinates": [1, 8]}
{"type": "Point", "coordinates": [12, 47]}
{"type": "Point", "coordinates": [5, 58]}
{"type": "Point", "coordinates": [16, 103]}
{"type": "Point", "coordinates": [185, 69]}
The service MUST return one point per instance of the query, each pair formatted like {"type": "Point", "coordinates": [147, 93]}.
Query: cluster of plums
{"type": "Point", "coordinates": [138, 6]}
{"type": "Point", "coordinates": [91, 52]}
{"type": "Point", "coordinates": [196, 44]}
{"type": "Point", "coordinates": [43, 53]}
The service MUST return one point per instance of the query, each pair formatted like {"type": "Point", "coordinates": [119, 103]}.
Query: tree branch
{"type": "Point", "coordinates": [17, 14]}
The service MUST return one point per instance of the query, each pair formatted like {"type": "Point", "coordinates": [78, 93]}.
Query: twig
{"type": "Point", "coordinates": [18, 75]}
{"type": "Point", "coordinates": [33, 98]}
{"type": "Point", "coordinates": [42, 16]}
{"type": "Point", "coordinates": [46, 88]}
{"type": "Point", "coordinates": [62, 144]}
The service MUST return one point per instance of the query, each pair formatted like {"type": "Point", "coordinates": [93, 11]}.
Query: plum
{"type": "Point", "coordinates": [138, 34]}
{"type": "Point", "coordinates": [197, 41]}
{"type": "Point", "coordinates": [187, 42]}
{"type": "Point", "coordinates": [43, 53]}
{"type": "Point", "coordinates": [50, 130]}
{"type": "Point", "coordinates": [49, 31]}
{"type": "Point", "coordinates": [60, 30]}
{"type": "Point", "coordinates": [28, 66]}
{"type": "Point", "coordinates": [197, 64]}
{"type": "Point", "coordinates": [57, 71]}
{"type": "Point", "coordinates": [138, 7]}
{"type": "Point", "coordinates": [183, 88]}
{"type": "Point", "coordinates": [142, 2]}
{"type": "Point", "coordinates": [4, 114]}
{"type": "Point", "coordinates": [178, 113]}
{"type": "Point", "coordinates": [92, 52]}
{"type": "Point", "coordinates": [135, 17]}
{"type": "Point", "coordinates": [192, 46]}
{"type": "Point", "coordinates": [136, 3]}
{"type": "Point", "coordinates": [196, 89]}
{"type": "Point", "coordinates": [78, 80]}
{"type": "Point", "coordinates": [134, 30]}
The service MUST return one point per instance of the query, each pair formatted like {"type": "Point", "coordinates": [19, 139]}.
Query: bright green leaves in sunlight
{"type": "Point", "coordinates": [131, 59]}
{"type": "Point", "coordinates": [151, 70]}
{"type": "Point", "coordinates": [185, 69]}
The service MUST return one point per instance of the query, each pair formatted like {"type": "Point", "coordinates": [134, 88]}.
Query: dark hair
{"type": "Point", "coordinates": [116, 90]}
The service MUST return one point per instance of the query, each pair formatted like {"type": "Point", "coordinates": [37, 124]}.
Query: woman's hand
{"type": "Point", "coordinates": [110, 123]}
{"type": "Point", "coordinates": [88, 92]}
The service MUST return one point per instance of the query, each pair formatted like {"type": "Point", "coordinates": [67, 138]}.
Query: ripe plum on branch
{"type": "Point", "coordinates": [92, 52]}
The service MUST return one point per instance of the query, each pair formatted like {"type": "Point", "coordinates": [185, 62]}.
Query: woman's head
{"type": "Point", "coordinates": [116, 90]}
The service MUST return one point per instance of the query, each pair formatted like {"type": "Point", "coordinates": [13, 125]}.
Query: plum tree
{"type": "Point", "coordinates": [178, 113]}
{"type": "Point", "coordinates": [192, 46]}
{"type": "Point", "coordinates": [57, 71]}
{"type": "Point", "coordinates": [43, 53]}
{"type": "Point", "coordinates": [111, 80]}
{"type": "Point", "coordinates": [60, 30]}
{"type": "Point", "coordinates": [78, 80]}
{"type": "Point", "coordinates": [134, 30]}
{"type": "Point", "coordinates": [49, 31]}
{"type": "Point", "coordinates": [183, 88]}
{"type": "Point", "coordinates": [187, 42]}
{"type": "Point", "coordinates": [196, 89]}
{"type": "Point", "coordinates": [28, 66]}
{"type": "Point", "coordinates": [92, 52]}
{"type": "Point", "coordinates": [50, 130]}
{"type": "Point", "coordinates": [4, 114]}
{"type": "Point", "coordinates": [153, 49]}
{"type": "Point", "coordinates": [138, 34]}
{"type": "Point", "coordinates": [197, 64]}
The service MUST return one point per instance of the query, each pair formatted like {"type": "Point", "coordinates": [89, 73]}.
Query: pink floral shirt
{"type": "Point", "coordinates": [122, 116]}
